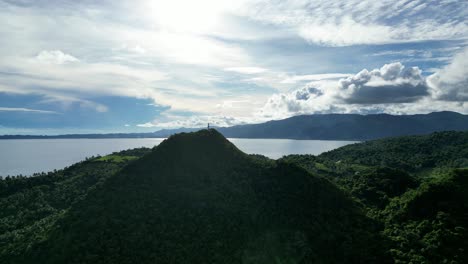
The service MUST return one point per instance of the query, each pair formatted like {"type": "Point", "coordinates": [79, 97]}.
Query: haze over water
{"type": "Point", "coordinates": [29, 156]}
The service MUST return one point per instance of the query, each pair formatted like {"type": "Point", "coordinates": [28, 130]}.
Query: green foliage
{"type": "Point", "coordinates": [116, 158]}
{"type": "Point", "coordinates": [375, 187]}
{"type": "Point", "coordinates": [421, 201]}
{"type": "Point", "coordinates": [197, 199]}
{"type": "Point", "coordinates": [430, 223]}
{"type": "Point", "coordinates": [411, 153]}
{"type": "Point", "coordinates": [31, 206]}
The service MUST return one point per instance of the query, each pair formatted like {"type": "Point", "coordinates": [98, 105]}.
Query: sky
{"type": "Point", "coordinates": [139, 66]}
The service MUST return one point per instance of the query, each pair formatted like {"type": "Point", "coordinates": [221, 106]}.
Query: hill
{"type": "Point", "coordinates": [414, 185]}
{"type": "Point", "coordinates": [197, 199]}
{"type": "Point", "coordinates": [31, 206]}
{"type": "Point", "coordinates": [449, 149]}
{"type": "Point", "coordinates": [319, 127]}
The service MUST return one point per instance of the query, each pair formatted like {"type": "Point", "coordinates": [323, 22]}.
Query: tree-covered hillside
{"type": "Point", "coordinates": [31, 206]}
{"type": "Point", "coordinates": [196, 198]}
{"type": "Point", "coordinates": [415, 186]}
{"type": "Point", "coordinates": [413, 153]}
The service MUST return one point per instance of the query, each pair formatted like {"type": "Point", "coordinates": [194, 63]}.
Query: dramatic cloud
{"type": "Point", "coordinates": [393, 88]}
{"type": "Point", "coordinates": [305, 100]}
{"type": "Point", "coordinates": [451, 82]}
{"type": "Point", "coordinates": [393, 83]}
{"type": "Point", "coordinates": [307, 92]}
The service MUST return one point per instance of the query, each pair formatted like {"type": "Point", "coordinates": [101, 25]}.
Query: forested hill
{"type": "Point", "coordinates": [196, 198]}
{"type": "Point", "coordinates": [416, 186]}
{"type": "Point", "coordinates": [321, 127]}
{"type": "Point", "coordinates": [409, 153]}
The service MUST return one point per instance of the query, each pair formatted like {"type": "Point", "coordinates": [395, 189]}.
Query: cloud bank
{"type": "Point", "coordinates": [451, 82]}
{"type": "Point", "coordinates": [393, 83]}
{"type": "Point", "coordinates": [393, 88]}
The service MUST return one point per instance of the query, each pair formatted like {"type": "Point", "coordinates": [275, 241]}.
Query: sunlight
{"type": "Point", "coordinates": [233, 131]}
{"type": "Point", "coordinates": [189, 16]}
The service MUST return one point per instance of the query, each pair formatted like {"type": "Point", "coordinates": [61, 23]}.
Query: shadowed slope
{"type": "Point", "coordinates": [197, 199]}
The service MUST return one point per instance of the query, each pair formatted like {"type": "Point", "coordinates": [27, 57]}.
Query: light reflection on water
{"type": "Point", "coordinates": [27, 156]}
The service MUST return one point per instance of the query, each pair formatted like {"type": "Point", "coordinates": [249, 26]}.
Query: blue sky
{"type": "Point", "coordinates": [127, 66]}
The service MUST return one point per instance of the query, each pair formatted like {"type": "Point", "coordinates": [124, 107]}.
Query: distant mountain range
{"type": "Point", "coordinates": [351, 126]}
{"type": "Point", "coordinates": [319, 127]}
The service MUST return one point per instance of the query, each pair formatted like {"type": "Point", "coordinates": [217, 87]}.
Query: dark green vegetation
{"type": "Point", "coordinates": [30, 207]}
{"type": "Point", "coordinates": [197, 199]}
{"type": "Point", "coordinates": [415, 186]}
{"type": "Point", "coordinates": [324, 127]}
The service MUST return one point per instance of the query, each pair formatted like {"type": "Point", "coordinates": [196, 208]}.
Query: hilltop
{"type": "Point", "coordinates": [196, 198]}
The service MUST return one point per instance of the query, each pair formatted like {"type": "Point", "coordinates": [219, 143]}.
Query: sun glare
{"type": "Point", "coordinates": [189, 16]}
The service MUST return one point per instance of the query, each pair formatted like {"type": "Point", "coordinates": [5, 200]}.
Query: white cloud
{"type": "Point", "coordinates": [18, 109]}
{"type": "Point", "coordinates": [138, 49]}
{"type": "Point", "coordinates": [191, 16]}
{"type": "Point", "coordinates": [72, 80]}
{"type": "Point", "coordinates": [346, 32]}
{"type": "Point", "coordinates": [116, 57]}
{"type": "Point", "coordinates": [246, 70]}
{"type": "Point", "coordinates": [55, 57]}
{"type": "Point", "coordinates": [451, 82]}
{"type": "Point", "coordinates": [300, 101]}
{"type": "Point", "coordinates": [285, 105]}
{"type": "Point", "coordinates": [66, 102]}
{"type": "Point", "coordinates": [195, 122]}
{"type": "Point", "coordinates": [342, 23]}
{"type": "Point", "coordinates": [181, 54]}
{"type": "Point", "coordinates": [192, 49]}
{"type": "Point", "coordinates": [393, 89]}
{"type": "Point", "coordinates": [393, 83]}
{"type": "Point", "coordinates": [314, 77]}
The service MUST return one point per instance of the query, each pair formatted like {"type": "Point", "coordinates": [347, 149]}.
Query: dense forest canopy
{"type": "Point", "coordinates": [196, 198]}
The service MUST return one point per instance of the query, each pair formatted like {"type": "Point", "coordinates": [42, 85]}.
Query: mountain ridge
{"type": "Point", "coordinates": [314, 127]}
